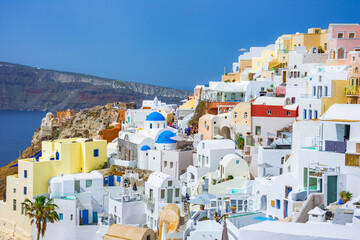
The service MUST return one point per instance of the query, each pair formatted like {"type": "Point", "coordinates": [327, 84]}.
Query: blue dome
{"type": "Point", "coordinates": [165, 136]}
{"type": "Point", "coordinates": [155, 116]}
{"type": "Point", "coordinates": [145, 148]}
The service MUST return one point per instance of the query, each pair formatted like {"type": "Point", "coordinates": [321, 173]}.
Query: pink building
{"type": "Point", "coordinates": [343, 39]}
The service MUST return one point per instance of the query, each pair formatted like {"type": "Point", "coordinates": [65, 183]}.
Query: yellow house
{"type": "Point", "coordinates": [63, 156]}
{"type": "Point", "coordinates": [315, 37]}
{"type": "Point", "coordinates": [338, 94]}
{"type": "Point", "coordinates": [190, 104]}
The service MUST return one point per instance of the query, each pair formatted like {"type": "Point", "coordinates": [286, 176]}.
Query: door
{"type": "Point", "coordinates": [95, 217]}
{"type": "Point", "coordinates": [111, 180]}
{"type": "Point", "coordinates": [284, 77]}
{"type": "Point", "coordinates": [170, 195]}
{"type": "Point", "coordinates": [331, 189]}
{"type": "Point", "coordinates": [286, 204]}
{"type": "Point", "coordinates": [85, 217]}
{"type": "Point", "coordinates": [77, 186]}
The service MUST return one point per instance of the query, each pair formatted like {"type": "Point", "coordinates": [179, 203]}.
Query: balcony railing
{"type": "Point", "coordinates": [352, 90]}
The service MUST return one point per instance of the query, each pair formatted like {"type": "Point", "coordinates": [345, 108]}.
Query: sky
{"type": "Point", "coordinates": [169, 43]}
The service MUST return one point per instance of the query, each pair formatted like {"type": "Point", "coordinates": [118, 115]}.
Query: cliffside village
{"type": "Point", "coordinates": [272, 151]}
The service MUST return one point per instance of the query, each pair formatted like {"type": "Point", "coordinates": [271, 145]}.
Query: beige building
{"type": "Point", "coordinates": [241, 119]}
{"type": "Point", "coordinates": [315, 37]}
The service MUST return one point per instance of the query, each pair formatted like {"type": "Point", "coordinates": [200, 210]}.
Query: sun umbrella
{"type": "Point", "coordinates": [265, 165]}
{"type": "Point", "coordinates": [207, 196]}
{"type": "Point", "coordinates": [225, 235]}
{"type": "Point", "coordinates": [134, 188]}
{"type": "Point", "coordinates": [242, 50]}
{"type": "Point", "coordinates": [199, 201]}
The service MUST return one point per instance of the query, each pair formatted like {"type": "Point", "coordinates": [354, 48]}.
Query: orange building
{"type": "Point", "coordinates": [112, 132]}
{"type": "Point", "coordinates": [216, 108]}
{"type": "Point", "coordinates": [66, 115]}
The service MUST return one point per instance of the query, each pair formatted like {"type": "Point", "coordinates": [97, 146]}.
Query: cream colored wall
{"type": "Point", "coordinates": [255, 62]}
{"type": "Point", "coordinates": [240, 170]}
{"type": "Point", "coordinates": [240, 109]}
{"type": "Point", "coordinates": [207, 132]}
{"type": "Point", "coordinates": [244, 64]}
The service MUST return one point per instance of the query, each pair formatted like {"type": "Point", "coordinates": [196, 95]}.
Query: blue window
{"type": "Point", "coordinates": [304, 113]}
{"type": "Point", "coordinates": [61, 217]}
{"type": "Point", "coordinates": [57, 156]}
{"type": "Point", "coordinates": [315, 114]}
{"type": "Point", "coordinates": [96, 152]}
{"type": "Point", "coordinates": [25, 173]}
{"type": "Point", "coordinates": [150, 125]}
{"type": "Point", "coordinates": [237, 161]}
{"type": "Point", "coordinates": [310, 114]}
{"type": "Point", "coordinates": [277, 204]}
{"type": "Point", "coordinates": [118, 178]}
{"type": "Point", "coordinates": [25, 190]}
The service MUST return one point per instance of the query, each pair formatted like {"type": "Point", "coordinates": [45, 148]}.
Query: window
{"type": "Point", "coordinates": [203, 145]}
{"type": "Point", "coordinates": [88, 183]}
{"type": "Point", "coordinates": [287, 113]}
{"type": "Point", "coordinates": [25, 173]}
{"type": "Point", "coordinates": [165, 164]}
{"type": "Point", "coordinates": [237, 161]}
{"type": "Point", "coordinates": [61, 216]}
{"type": "Point", "coordinates": [281, 171]}
{"type": "Point", "coordinates": [57, 156]}
{"type": "Point", "coordinates": [115, 209]}
{"type": "Point", "coordinates": [314, 91]}
{"type": "Point", "coordinates": [14, 190]}
{"type": "Point", "coordinates": [71, 217]}
{"type": "Point", "coordinates": [232, 96]}
{"type": "Point", "coordinates": [169, 183]}
{"type": "Point", "coordinates": [22, 209]}
{"type": "Point", "coordinates": [268, 112]}
{"type": "Point", "coordinates": [293, 99]}
{"type": "Point", "coordinates": [351, 35]}
{"type": "Point", "coordinates": [325, 46]}
{"type": "Point", "coordinates": [305, 74]}
{"type": "Point", "coordinates": [245, 115]}
{"type": "Point", "coordinates": [277, 204]}
{"type": "Point", "coordinates": [257, 130]}
{"type": "Point", "coordinates": [177, 192]}
{"type": "Point", "coordinates": [315, 114]}
{"type": "Point", "coordinates": [317, 31]}
{"type": "Point", "coordinates": [96, 152]}
{"type": "Point", "coordinates": [326, 91]}
{"type": "Point", "coordinates": [282, 160]}
{"type": "Point", "coordinates": [235, 115]}
{"type": "Point", "coordinates": [25, 190]}
{"type": "Point", "coordinates": [171, 164]}
{"type": "Point", "coordinates": [320, 78]}
{"type": "Point", "coordinates": [207, 160]}
{"type": "Point", "coordinates": [278, 134]}
{"type": "Point", "coordinates": [158, 125]}
{"type": "Point", "coordinates": [150, 125]}
{"type": "Point", "coordinates": [262, 89]}
{"type": "Point", "coordinates": [353, 58]}
{"type": "Point", "coordinates": [14, 204]}
{"type": "Point", "coordinates": [310, 114]}
{"type": "Point", "coordinates": [340, 35]}
{"type": "Point", "coordinates": [162, 193]}
{"type": "Point", "coordinates": [304, 114]}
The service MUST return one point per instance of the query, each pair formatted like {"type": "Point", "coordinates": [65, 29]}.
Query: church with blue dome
{"type": "Point", "coordinates": [155, 120]}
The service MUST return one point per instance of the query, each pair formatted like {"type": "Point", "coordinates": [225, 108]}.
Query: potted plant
{"type": "Point", "coordinates": [230, 177]}
{"type": "Point", "coordinates": [345, 197]}
{"type": "Point", "coordinates": [233, 209]}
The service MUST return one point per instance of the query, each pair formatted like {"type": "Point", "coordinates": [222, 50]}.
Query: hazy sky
{"type": "Point", "coordinates": [174, 43]}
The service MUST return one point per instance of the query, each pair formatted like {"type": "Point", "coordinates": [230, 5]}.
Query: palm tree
{"type": "Point", "coordinates": [41, 211]}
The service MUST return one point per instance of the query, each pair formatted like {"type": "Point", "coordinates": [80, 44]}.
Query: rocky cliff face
{"type": "Point", "coordinates": [86, 123]}
{"type": "Point", "coordinates": [29, 88]}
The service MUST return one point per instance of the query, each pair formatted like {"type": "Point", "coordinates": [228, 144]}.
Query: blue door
{"type": "Point", "coordinates": [111, 180]}
{"type": "Point", "coordinates": [85, 217]}
{"type": "Point", "coordinates": [95, 218]}
{"type": "Point", "coordinates": [106, 181]}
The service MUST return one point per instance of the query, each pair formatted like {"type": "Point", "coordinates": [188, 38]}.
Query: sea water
{"type": "Point", "coordinates": [16, 131]}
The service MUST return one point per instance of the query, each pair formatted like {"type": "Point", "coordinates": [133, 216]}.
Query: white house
{"type": "Point", "coordinates": [160, 190]}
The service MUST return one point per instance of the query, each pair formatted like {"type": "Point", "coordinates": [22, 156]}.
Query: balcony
{"type": "Point", "coordinates": [335, 146]}
{"type": "Point", "coordinates": [352, 90]}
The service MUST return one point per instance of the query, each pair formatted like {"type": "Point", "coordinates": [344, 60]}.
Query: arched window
{"type": "Point", "coordinates": [341, 53]}
{"type": "Point", "coordinates": [150, 125]}
{"type": "Point", "coordinates": [332, 54]}
{"type": "Point", "coordinates": [235, 115]}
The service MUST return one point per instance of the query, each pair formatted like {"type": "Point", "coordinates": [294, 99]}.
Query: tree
{"type": "Point", "coordinates": [41, 211]}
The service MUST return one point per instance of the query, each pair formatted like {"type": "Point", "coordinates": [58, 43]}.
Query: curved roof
{"type": "Point", "coordinates": [228, 158]}
{"type": "Point", "coordinates": [155, 116]}
{"type": "Point", "coordinates": [157, 178]}
{"type": "Point", "coordinates": [348, 112]}
{"type": "Point", "coordinates": [165, 137]}
{"type": "Point", "coordinates": [145, 148]}
{"type": "Point", "coordinates": [118, 231]}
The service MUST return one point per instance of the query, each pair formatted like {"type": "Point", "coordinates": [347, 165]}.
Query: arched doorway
{"type": "Point", "coordinates": [332, 54]}
{"type": "Point", "coordinates": [225, 132]}
{"type": "Point", "coordinates": [263, 203]}
{"type": "Point", "coordinates": [341, 53]}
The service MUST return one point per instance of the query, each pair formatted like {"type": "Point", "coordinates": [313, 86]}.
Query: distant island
{"type": "Point", "coordinates": [29, 88]}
